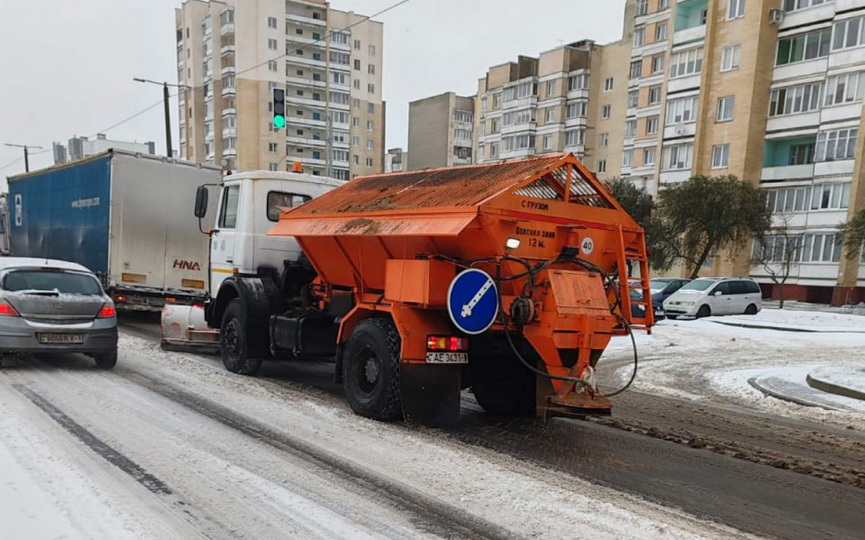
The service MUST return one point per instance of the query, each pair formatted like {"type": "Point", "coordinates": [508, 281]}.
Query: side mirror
{"type": "Point", "coordinates": [717, 293]}
{"type": "Point", "coordinates": [201, 202]}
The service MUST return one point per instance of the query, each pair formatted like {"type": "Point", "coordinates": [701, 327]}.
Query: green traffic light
{"type": "Point", "coordinates": [279, 121]}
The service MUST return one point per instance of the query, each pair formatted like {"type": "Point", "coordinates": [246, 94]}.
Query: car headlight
{"type": "Point", "coordinates": [688, 303]}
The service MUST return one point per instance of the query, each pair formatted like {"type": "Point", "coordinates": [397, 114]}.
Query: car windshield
{"type": "Point", "coordinates": [51, 281]}
{"type": "Point", "coordinates": [698, 285]}
{"type": "Point", "coordinates": [658, 284]}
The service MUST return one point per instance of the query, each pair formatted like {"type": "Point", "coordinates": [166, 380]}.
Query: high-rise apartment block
{"type": "Point", "coordinates": [232, 54]}
{"type": "Point", "coordinates": [440, 131]}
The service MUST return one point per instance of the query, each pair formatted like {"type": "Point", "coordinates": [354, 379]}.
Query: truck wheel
{"type": "Point", "coordinates": [371, 370]}
{"type": "Point", "coordinates": [234, 341]}
{"type": "Point", "coordinates": [106, 360]}
{"type": "Point", "coordinates": [500, 383]}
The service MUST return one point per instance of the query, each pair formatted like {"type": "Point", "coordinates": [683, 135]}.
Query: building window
{"type": "Point", "coordinates": [821, 247]}
{"type": "Point", "coordinates": [462, 134]}
{"type": "Point", "coordinates": [663, 4]}
{"type": "Point", "coordinates": [338, 57]}
{"type": "Point", "coordinates": [794, 5]}
{"type": "Point", "coordinates": [370, 88]}
{"type": "Point", "coordinates": [370, 69]}
{"type": "Point", "coordinates": [639, 37]}
{"type": "Point", "coordinates": [725, 109]}
{"type": "Point", "coordinates": [339, 78]}
{"type": "Point", "coordinates": [371, 50]}
{"type": "Point", "coordinates": [357, 64]}
{"type": "Point", "coordinates": [494, 125]}
{"type": "Point", "coordinates": [272, 44]}
{"type": "Point", "coordinates": [846, 88]}
{"type": "Point", "coordinates": [578, 82]}
{"type": "Point", "coordinates": [273, 167]}
{"type": "Point", "coordinates": [636, 69]}
{"type": "Point", "coordinates": [602, 165]}
{"type": "Point", "coordinates": [551, 88]}
{"type": "Point", "coordinates": [661, 31]}
{"type": "Point", "coordinates": [836, 144]}
{"type": "Point", "coordinates": [357, 44]}
{"type": "Point", "coordinates": [677, 157]}
{"type": "Point", "coordinates": [720, 156]}
{"type": "Point", "coordinates": [849, 33]}
{"type": "Point", "coordinates": [627, 158]}
{"type": "Point", "coordinates": [795, 99]}
{"type": "Point", "coordinates": [686, 63]}
{"type": "Point", "coordinates": [735, 9]}
{"type": "Point", "coordinates": [630, 129]}
{"type": "Point", "coordinates": [497, 101]}
{"type": "Point", "coordinates": [339, 37]}
{"type": "Point", "coordinates": [356, 84]}
{"type": "Point", "coordinates": [369, 162]}
{"type": "Point", "coordinates": [648, 156]}
{"type": "Point", "coordinates": [370, 144]}
{"type": "Point", "coordinates": [370, 125]}
{"type": "Point", "coordinates": [548, 142]}
{"type": "Point", "coordinates": [608, 84]}
{"type": "Point", "coordinates": [271, 22]}
{"type": "Point", "coordinates": [605, 111]}
{"type": "Point", "coordinates": [272, 147]}
{"type": "Point", "coordinates": [681, 110]}
{"type": "Point", "coordinates": [642, 7]}
{"type": "Point", "coordinates": [494, 150]}
{"type": "Point", "coordinates": [633, 98]}
{"type": "Point", "coordinates": [658, 63]}
{"type": "Point", "coordinates": [604, 140]}
{"type": "Point", "coordinates": [549, 115]}
{"type": "Point", "coordinates": [651, 125]}
{"type": "Point", "coordinates": [355, 141]}
{"type": "Point", "coordinates": [730, 57]}
{"type": "Point", "coordinates": [575, 137]}
{"type": "Point", "coordinates": [654, 95]}
{"type": "Point", "coordinates": [272, 65]}
{"type": "Point", "coordinates": [463, 116]}
{"type": "Point", "coordinates": [370, 108]}
{"type": "Point", "coordinates": [803, 47]}
{"type": "Point", "coordinates": [578, 109]}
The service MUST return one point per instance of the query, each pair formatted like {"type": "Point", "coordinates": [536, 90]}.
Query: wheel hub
{"type": "Point", "coordinates": [371, 370]}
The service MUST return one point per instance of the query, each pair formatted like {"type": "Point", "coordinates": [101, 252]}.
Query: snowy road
{"type": "Point", "coordinates": [171, 445]}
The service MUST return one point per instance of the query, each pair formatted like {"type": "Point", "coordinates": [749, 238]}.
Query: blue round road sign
{"type": "Point", "coordinates": [473, 301]}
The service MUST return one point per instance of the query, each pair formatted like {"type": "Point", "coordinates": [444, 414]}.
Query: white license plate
{"type": "Point", "coordinates": [447, 357]}
{"type": "Point", "coordinates": [76, 339]}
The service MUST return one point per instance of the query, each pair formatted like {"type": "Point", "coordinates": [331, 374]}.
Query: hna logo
{"type": "Point", "coordinates": [187, 265]}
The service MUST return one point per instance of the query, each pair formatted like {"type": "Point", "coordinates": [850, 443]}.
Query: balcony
{"type": "Point", "coordinates": [227, 49]}
{"type": "Point", "coordinates": [787, 172]}
{"type": "Point", "coordinates": [229, 132]}
{"type": "Point", "coordinates": [303, 141]}
{"type": "Point", "coordinates": [308, 21]}
{"type": "Point", "coordinates": [226, 29]}
{"type": "Point", "coordinates": [229, 91]}
{"type": "Point", "coordinates": [697, 33]}
{"type": "Point", "coordinates": [304, 61]}
{"type": "Point", "coordinates": [227, 70]}
{"type": "Point", "coordinates": [229, 152]}
{"type": "Point", "coordinates": [229, 112]}
{"type": "Point", "coordinates": [680, 130]}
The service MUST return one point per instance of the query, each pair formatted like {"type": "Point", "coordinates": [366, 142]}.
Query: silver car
{"type": "Point", "coordinates": [49, 306]}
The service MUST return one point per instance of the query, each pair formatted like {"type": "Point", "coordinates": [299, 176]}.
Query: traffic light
{"type": "Point", "coordinates": [278, 107]}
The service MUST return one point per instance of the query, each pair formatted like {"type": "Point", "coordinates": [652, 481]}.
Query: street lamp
{"type": "Point", "coordinates": [26, 153]}
{"type": "Point", "coordinates": [165, 86]}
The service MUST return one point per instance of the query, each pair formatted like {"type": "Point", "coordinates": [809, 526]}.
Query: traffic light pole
{"type": "Point", "coordinates": [167, 120]}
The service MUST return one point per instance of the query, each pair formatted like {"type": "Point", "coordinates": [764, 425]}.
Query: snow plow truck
{"type": "Point", "coordinates": [507, 278]}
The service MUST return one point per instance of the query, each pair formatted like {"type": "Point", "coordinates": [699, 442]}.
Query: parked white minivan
{"type": "Point", "coordinates": [715, 296]}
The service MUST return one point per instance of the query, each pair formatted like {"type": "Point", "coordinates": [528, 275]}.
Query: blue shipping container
{"type": "Point", "coordinates": [64, 213]}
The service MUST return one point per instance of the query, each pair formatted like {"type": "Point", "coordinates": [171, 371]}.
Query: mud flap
{"type": "Point", "coordinates": [430, 393]}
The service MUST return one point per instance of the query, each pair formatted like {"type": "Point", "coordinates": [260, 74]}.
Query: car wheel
{"type": "Point", "coordinates": [704, 311]}
{"type": "Point", "coordinates": [234, 341]}
{"type": "Point", "coordinates": [751, 309]}
{"type": "Point", "coordinates": [672, 317]}
{"type": "Point", "coordinates": [106, 360]}
{"type": "Point", "coordinates": [371, 370]}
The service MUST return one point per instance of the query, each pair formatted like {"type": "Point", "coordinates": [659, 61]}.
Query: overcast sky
{"type": "Point", "coordinates": [68, 65]}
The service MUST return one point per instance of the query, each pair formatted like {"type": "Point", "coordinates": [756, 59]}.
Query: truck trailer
{"type": "Point", "coordinates": [123, 215]}
{"type": "Point", "coordinates": [508, 278]}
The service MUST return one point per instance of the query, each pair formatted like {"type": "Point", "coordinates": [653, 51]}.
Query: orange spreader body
{"type": "Point", "coordinates": [392, 241]}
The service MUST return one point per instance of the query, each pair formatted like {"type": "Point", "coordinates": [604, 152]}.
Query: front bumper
{"type": "Point", "coordinates": [680, 310]}
{"type": "Point", "coordinates": [20, 335]}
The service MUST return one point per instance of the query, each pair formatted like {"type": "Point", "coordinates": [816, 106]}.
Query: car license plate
{"type": "Point", "coordinates": [61, 338]}
{"type": "Point", "coordinates": [447, 357]}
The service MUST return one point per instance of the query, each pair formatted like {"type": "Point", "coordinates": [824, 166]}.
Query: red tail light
{"type": "Point", "coordinates": [107, 312]}
{"type": "Point", "coordinates": [446, 343]}
{"type": "Point", "coordinates": [7, 310]}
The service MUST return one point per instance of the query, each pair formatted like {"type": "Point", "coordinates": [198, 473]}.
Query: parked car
{"type": "Point", "coordinates": [663, 287]}
{"type": "Point", "coordinates": [715, 296]}
{"type": "Point", "coordinates": [639, 310]}
{"type": "Point", "coordinates": [50, 306]}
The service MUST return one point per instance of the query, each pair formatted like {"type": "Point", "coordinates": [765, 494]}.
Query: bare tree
{"type": "Point", "coordinates": [777, 252]}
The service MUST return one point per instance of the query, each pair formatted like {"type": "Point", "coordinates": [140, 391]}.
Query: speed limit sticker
{"type": "Point", "coordinates": [588, 245]}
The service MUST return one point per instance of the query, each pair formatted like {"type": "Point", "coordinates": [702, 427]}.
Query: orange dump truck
{"type": "Point", "coordinates": [508, 278]}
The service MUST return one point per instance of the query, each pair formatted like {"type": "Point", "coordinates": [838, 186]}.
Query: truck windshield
{"type": "Point", "coordinates": [698, 285]}
{"type": "Point", "coordinates": [51, 280]}
{"type": "Point", "coordinates": [228, 212]}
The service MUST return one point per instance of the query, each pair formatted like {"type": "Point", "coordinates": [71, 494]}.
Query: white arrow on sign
{"type": "Point", "coordinates": [467, 308]}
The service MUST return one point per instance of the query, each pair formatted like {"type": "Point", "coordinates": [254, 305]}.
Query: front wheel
{"type": "Point", "coordinates": [234, 343]}
{"type": "Point", "coordinates": [371, 370]}
{"type": "Point", "coordinates": [704, 311]}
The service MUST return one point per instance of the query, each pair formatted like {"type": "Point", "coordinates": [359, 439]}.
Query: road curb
{"type": "Point", "coordinates": [786, 329]}
{"type": "Point", "coordinates": [755, 382]}
{"type": "Point", "coordinates": [832, 388]}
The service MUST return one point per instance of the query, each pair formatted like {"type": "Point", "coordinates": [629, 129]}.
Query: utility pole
{"type": "Point", "coordinates": [26, 154]}
{"type": "Point", "coordinates": [165, 85]}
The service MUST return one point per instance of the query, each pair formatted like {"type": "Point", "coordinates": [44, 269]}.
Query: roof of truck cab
{"type": "Point", "coordinates": [7, 263]}
{"type": "Point", "coordinates": [279, 175]}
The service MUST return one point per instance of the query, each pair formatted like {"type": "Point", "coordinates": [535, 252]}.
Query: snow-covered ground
{"type": "Point", "coordinates": [711, 359]}
{"type": "Point", "coordinates": [225, 483]}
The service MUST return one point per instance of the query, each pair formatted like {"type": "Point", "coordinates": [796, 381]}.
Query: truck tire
{"type": "Point", "coordinates": [371, 370]}
{"type": "Point", "coordinates": [234, 347]}
{"type": "Point", "coordinates": [501, 384]}
{"type": "Point", "coordinates": [106, 360]}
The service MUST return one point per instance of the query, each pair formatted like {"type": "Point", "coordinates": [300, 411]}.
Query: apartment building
{"type": "Point", "coordinates": [231, 55]}
{"type": "Point", "coordinates": [441, 131]}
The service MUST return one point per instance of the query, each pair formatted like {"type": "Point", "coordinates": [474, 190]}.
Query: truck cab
{"type": "Point", "coordinates": [250, 204]}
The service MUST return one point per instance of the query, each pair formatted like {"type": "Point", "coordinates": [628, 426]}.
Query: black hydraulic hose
{"type": "Point", "coordinates": [636, 360]}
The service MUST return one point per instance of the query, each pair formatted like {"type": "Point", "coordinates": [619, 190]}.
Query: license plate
{"type": "Point", "coordinates": [61, 338]}
{"type": "Point", "coordinates": [447, 357]}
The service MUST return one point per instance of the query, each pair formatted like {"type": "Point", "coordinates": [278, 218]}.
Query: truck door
{"type": "Point", "coordinates": [224, 240]}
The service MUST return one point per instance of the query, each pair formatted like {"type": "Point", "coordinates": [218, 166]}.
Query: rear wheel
{"type": "Point", "coordinates": [751, 309]}
{"type": "Point", "coordinates": [501, 384]}
{"type": "Point", "coordinates": [704, 311]}
{"type": "Point", "coordinates": [371, 370]}
{"type": "Point", "coordinates": [234, 343]}
{"type": "Point", "coordinates": [106, 360]}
